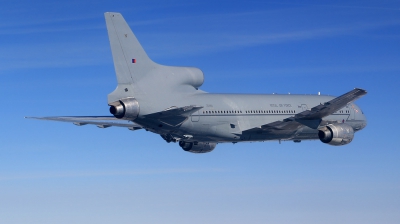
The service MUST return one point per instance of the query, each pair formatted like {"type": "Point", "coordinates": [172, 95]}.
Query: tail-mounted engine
{"type": "Point", "coordinates": [336, 134]}
{"type": "Point", "coordinates": [197, 147]}
{"type": "Point", "coordinates": [127, 108]}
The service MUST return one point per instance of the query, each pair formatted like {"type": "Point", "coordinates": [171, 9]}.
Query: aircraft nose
{"type": "Point", "coordinates": [363, 120]}
{"type": "Point", "coordinates": [360, 117]}
{"type": "Point", "coordinates": [364, 123]}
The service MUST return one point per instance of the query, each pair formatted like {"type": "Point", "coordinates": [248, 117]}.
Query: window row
{"type": "Point", "coordinates": [222, 112]}
{"type": "Point", "coordinates": [343, 112]}
{"type": "Point", "coordinates": [249, 112]}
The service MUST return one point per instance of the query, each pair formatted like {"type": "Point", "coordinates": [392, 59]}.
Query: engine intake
{"type": "Point", "coordinates": [336, 134]}
{"type": "Point", "coordinates": [197, 147]}
{"type": "Point", "coordinates": [127, 108]}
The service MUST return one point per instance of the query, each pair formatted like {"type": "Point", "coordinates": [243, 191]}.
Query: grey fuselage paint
{"type": "Point", "coordinates": [224, 117]}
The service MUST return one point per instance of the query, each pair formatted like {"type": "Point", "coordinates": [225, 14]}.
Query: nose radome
{"type": "Point", "coordinates": [364, 121]}
{"type": "Point", "coordinates": [361, 117]}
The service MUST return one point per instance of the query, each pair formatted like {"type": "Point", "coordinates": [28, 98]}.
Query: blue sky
{"type": "Point", "coordinates": [56, 60]}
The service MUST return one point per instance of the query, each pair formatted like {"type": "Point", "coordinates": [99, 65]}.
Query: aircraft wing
{"type": "Point", "coordinates": [330, 107]}
{"type": "Point", "coordinates": [311, 118]}
{"type": "Point", "coordinates": [99, 121]}
{"type": "Point", "coordinates": [174, 116]}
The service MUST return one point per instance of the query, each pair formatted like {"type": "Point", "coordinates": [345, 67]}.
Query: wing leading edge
{"type": "Point", "coordinates": [330, 107]}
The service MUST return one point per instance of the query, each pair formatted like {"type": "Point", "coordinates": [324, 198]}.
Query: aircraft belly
{"type": "Point", "coordinates": [226, 132]}
{"type": "Point", "coordinates": [215, 129]}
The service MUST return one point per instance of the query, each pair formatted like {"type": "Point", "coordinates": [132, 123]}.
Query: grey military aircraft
{"type": "Point", "coordinates": [166, 100]}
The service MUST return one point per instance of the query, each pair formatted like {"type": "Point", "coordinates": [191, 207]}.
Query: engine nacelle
{"type": "Point", "coordinates": [197, 147]}
{"type": "Point", "coordinates": [336, 134]}
{"type": "Point", "coordinates": [127, 108]}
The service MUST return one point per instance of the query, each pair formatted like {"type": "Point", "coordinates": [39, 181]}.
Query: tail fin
{"type": "Point", "coordinates": [137, 75]}
{"type": "Point", "coordinates": [130, 60]}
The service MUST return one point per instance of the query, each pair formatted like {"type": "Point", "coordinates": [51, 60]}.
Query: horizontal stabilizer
{"type": "Point", "coordinates": [99, 121]}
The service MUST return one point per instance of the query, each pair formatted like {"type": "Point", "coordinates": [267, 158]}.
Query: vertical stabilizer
{"type": "Point", "coordinates": [130, 60]}
{"type": "Point", "coordinates": [137, 75]}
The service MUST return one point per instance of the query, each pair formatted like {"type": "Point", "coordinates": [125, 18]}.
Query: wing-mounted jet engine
{"type": "Point", "coordinates": [336, 134]}
{"type": "Point", "coordinates": [197, 147]}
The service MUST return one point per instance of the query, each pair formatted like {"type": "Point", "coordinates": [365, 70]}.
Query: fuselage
{"type": "Point", "coordinates": [225, 117]}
